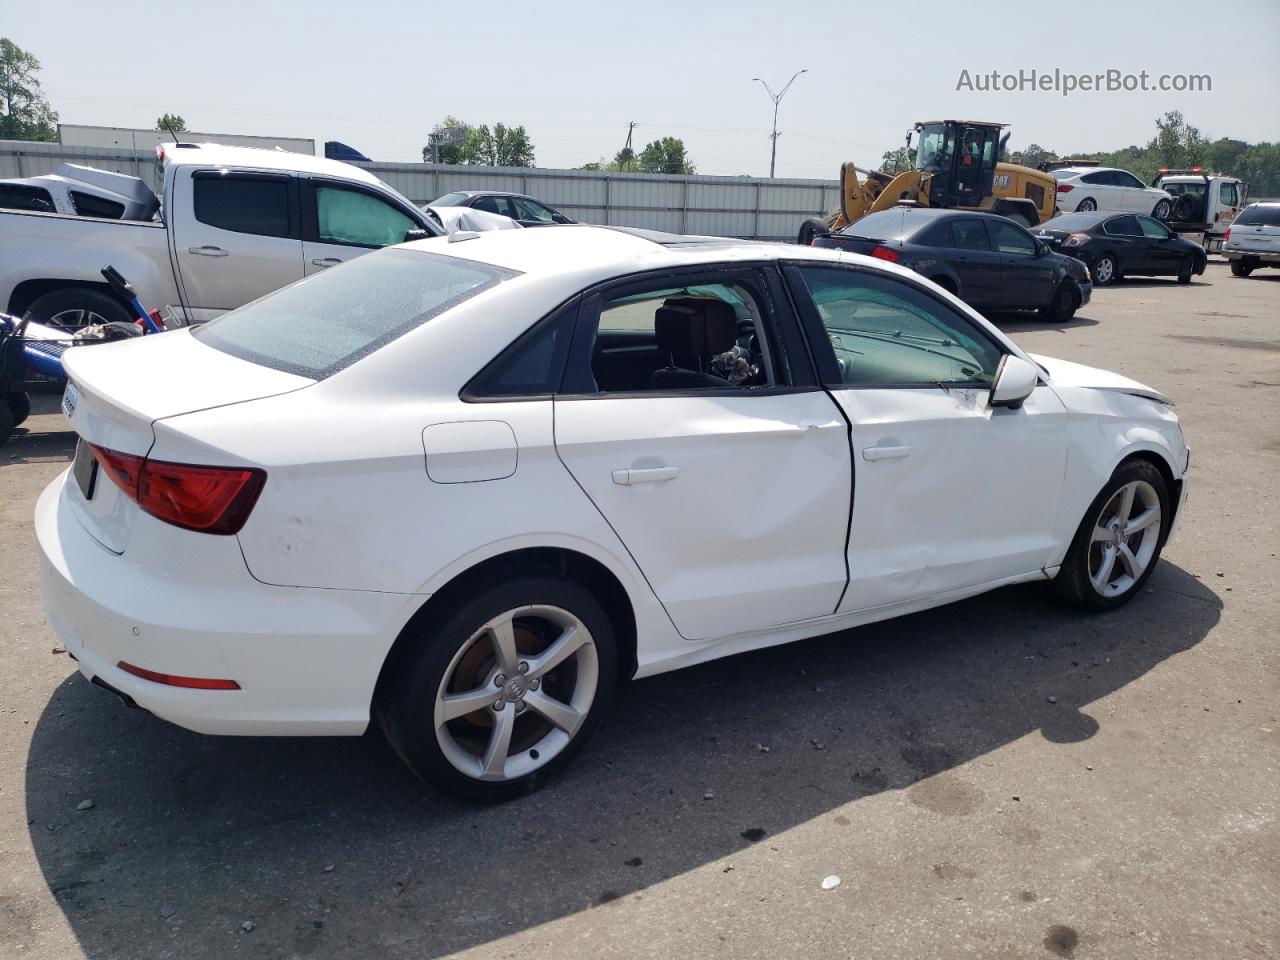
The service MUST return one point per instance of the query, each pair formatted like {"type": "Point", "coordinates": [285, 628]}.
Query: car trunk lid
{"type": "Point", "coordinates": [115, 393]}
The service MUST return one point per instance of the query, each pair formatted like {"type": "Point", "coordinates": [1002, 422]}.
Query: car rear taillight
{"type": "Point", "coordinates": [205, 499]}
{"type": "Point", "coordinates": [1065, 188]}
{"type": "Point", "coordinates": [884, 253]}
{"type": "Point", "coordinates": [1226, 236]}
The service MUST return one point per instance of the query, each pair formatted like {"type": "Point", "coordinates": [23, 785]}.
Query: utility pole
{"type": "Point", "coordinates": [777, 99]}
{"type": "Point", "coordinates": [627, 153]}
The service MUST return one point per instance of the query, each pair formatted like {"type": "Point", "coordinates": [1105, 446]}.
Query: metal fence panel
{"type": "Point", "coordinates": [714, 206]}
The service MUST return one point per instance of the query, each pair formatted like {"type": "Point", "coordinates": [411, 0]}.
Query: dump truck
{"type": "Point", "coordinates": [957, 166]}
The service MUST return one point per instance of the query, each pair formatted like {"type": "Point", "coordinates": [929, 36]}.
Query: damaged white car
{"type": "Point", "coordinates": [463, 487]}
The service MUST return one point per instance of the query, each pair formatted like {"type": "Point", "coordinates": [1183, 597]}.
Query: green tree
{"type": "Point", "coordinates": [665, 156]}
{"type": "Point", "coordinates": [1177, 143]}
{"type": "Point", "coordinates": [1033, 154]}
{"type": "Point", "coordinates": [171, 122]}
{"type": "Point", "coordinates": [502, 146]}
{"type": "Point", "coordinates": [26, 113]}
{"type": "Point", "coordinates": [450, 147]}
{"type": "Point", "coordinates": [897, 160]}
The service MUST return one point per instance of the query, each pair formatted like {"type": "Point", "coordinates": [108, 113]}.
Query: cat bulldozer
{"type": "Point", "coordinates": [957, 166]}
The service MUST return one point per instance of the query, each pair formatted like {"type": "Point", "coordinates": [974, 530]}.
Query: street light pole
{"type": "Point", "coordinates": [777, 99]}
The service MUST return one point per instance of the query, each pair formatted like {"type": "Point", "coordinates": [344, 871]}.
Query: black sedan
{"type": "Point", "coordinates": [528, 211]}
{"type": "Point", "coordinates": [1116, 245]}
{"type": "Point", "coordinates": [988, 261]}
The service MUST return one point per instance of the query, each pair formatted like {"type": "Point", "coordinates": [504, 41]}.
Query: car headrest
{"type": "Point", "coordinates": [695, 326]}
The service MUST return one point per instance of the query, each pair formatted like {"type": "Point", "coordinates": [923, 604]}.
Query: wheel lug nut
{"type": "Point", "coordinates": [498, 706]}
{"type": "Point", "coordinates": [519, 706]}
{"type": "Point", "coordinates": [534, 683]}
{"type": "Point", "coordinates": [499, 680]}
{"type": "Point", "coordinates": [523, 668]}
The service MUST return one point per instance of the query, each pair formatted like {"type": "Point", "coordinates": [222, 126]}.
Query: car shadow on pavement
{"type": "Point", "coordinates": [30, 443]}
{"type": "Point", "coordinates": [1019, 322]}
{"type": "Point", "coordinates": [197, 846]}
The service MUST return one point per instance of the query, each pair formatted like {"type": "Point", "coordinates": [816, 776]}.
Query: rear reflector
{"type": "Point", "coordinates": [205, 499]}
{"type": "Point", "coordinates": [884, 253]}
{"type": "Point", "coordinates": [1065, 188]}
{"type": "Point", "coordinates": [194, 683]}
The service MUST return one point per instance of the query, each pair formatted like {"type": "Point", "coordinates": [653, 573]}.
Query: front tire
{"type": "Point", "coordinates": [19, 403]}
{"type": "Point", "coordinates": [1063, 305]}
{"type": "Point", "coordinates": [1162, 210]}
{"type": "Point", "coordinates": [1118, 543]}
{"type": "Point", "coordinates": [501, 689]}
{"type": "Point", "coordinates": [1185, 269]}
{"type": "Point", "coordinates": [1106, 270]}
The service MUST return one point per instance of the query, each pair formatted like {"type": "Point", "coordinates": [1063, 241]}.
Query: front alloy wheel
{"type": "Point", "coordinates": [1104, 271]}
{"type": "Point", "coordinates": [1162, 210]}
{"type": "Point", "coordinates": [1119, 540]}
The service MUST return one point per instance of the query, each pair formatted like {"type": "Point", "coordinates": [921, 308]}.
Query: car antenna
{"type": "Point", "coordinates": [168, 125]}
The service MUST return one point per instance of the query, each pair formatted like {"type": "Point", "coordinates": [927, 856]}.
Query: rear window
{"type": "Point", "coordinates": [1074, 221]}
{"type": "Point", "coordinates": [1259, 217]}
{"type": "Point", "coordinates": [317, 326]}
{"type": "Point", "coordinates": [87, 205]}
{"type": "Point", "coordinates": [449, 200]}
{"type": "Point", "coordinates": [888, 224]}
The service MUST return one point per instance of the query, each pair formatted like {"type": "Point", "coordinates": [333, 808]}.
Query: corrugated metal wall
{"type": "Point", "coordinates": [715, 206]}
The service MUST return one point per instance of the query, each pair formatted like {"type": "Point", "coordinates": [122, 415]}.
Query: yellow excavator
{"type": "Point", "coordinates": [957, 165]}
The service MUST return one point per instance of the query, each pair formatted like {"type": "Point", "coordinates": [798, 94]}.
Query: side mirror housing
{"type": "Point", "coordinates": [560, 218]}
{"type": "Point", "coordinates": [1041, 248]}
{"type": "Point", "coordinates": [1014, 381]}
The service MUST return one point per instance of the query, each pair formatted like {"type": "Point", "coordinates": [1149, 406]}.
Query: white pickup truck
{"type": "Point", "coordinates": [237, 223]}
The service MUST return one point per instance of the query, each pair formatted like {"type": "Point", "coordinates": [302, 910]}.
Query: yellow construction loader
{"type": "Point", "coordinates": [957, 165]}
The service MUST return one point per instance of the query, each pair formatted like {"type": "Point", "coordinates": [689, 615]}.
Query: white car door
{"type": "Point", "coordinates": [343, 220]}
{"type": "Point", "coordinates": [235, 236]}
{"type": "Point", "coordinates": [731, 494]}
{"type": "Point", "coordinates": [1137, 197]}
{"type": "Point", "coordinates": [949, 493]}
{"type": "Point", "coordinates": [1098, 187]}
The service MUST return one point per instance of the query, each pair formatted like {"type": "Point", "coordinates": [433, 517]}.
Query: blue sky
{"type": "Point", "coordinates": [378, 76]}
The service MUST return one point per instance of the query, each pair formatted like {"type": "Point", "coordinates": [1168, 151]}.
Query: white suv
{"type": "Point", "coordinates": [1081, 189]}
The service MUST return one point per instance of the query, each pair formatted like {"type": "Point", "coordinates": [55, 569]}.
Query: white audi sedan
{"type": "Point", "coordinates": [463, 487]}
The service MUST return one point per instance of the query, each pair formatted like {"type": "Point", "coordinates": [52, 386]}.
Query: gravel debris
{"type": "Point", "coordinates": [831, 882]}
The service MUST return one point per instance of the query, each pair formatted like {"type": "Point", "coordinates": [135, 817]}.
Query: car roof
{"type": "Point", "coordinates": [219, 154]}
{"type": "Point", "coordinates": [1073, 171]}
{"type": "Point", "coordinates": [490, 193]}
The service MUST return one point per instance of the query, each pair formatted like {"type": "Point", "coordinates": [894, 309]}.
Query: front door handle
{"type": "Point", "coordinates": [208, 251]}
{"type": "Point", "coordinates": [886, 453]}
{"type": "Point", "coordinates": [632, 475]}
{"type": "Point", "coordinates": [325, 261]}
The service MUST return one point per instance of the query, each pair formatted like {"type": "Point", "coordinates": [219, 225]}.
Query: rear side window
{"type": "Point", "coordinates": [970, 234]}
{"type": "Point", "coordinates": [533, 366]}
{"type": "Point", "coordinates": [258, 205]}
{"type": "Point", "coordinates": [1123, 227]}
{"type": "Point", "coordinates": [87, 205]}
{"type": "Point", "coordinates": [19, 196]}
{"type": "Point", "coordinates": [316, 327]}
{"type": "Point", "coordinates": [1260, 216]}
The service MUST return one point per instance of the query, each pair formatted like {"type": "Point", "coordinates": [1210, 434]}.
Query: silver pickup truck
{"type": "Point", "coordinates": [236, 223]}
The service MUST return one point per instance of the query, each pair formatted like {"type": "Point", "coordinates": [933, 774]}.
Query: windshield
{"type": "Point", "coordinates": [449, 200]}
{"type": "Point", "coordinates": [317, 326]}
{"type": "Point", "coordinates": [1260, 216]}
{"type": "Point", "coordinates": [934, 151]}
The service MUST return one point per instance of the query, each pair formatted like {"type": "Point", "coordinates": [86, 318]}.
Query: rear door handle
{"type": "Point", "coordinates": [886, 453]}
{"type": "Point", "coordinates": [208, 251]}
{"type": "Point", "coordinates": [325, 261]}
{"type": "Point", "coordinates": [631, 475]}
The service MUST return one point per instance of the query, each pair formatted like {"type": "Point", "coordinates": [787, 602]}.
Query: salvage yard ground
{"type": "Point", "coordinates": [1003, 778]}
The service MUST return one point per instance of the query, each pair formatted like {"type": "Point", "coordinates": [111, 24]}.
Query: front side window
{"type": "Point", "coordinates": [355, 218]}
{"type": "Point", "coordinates": [1228, 195]}
{"type": "Point", "coordinates": [1010, 239]}
{"type": "Point", "coordinates": [1126, 179]}
{"type": "Point", "coordinates": [257, 205]}
{"type": "Point", "coordinates": [1123, 227]}
{"type": "Point", "coordinates": [532, 210]}
{"type": "Point", "coordinates": [886, 332]}
{"type": "Point", "coordinates": [331, 320]}
{"type": "Point", "coordinates": [499, 205]}
{"type": "Point", "coordinates": [697, 336]}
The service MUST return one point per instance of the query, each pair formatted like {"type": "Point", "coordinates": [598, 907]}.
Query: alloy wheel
{"type": "Point", "coordinates": [75, 319]}
{"type": "Point", "coordinates": [1124, 539]}
{"type": "Point", "coordinates": [1087, 205]}
{"type": "Point", "coordinates": [516, 693]}
{"type": "Point", "coordinates": [1104, 271]}
{"type": "Point", "coordinates": [1162, 210]}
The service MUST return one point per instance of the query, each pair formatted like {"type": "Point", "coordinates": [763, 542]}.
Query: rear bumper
{"type": "Point", "coordinates": [306, 660]}
{"type": "Point", "coordinates": [1234, 253]}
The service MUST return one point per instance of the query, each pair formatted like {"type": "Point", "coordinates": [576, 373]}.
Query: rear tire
{"type": "Point", "coordinates": [528, 722]}
{"type": "Point", "coordinates": [811, 229]}
{"type": "Point", "coordinates": [1087, 205]}
{"type": "Point", "coordinates": [1063, 305]}
{"type": "Point", "coordinates": [19, 404]}
{"type": "Point", "coordinates": [1106, 566]}
{"type": "Point", "coordinates": [72, 308]}
{"type": "Point", "coordinates": [6, 424]}
{"type": "Point", "coordinates": [1241, 269]}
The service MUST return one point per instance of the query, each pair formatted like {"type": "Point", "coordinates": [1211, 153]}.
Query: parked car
{"type": "Point", "coordinates": [528, 211]}
{"type": "Point", "coordinates": [988, 261]}
{"type": "Point", "coordinates": [238, 222]}
{"type": "Point", "coordinates": [1116, 245]}
{"type": "Point", "coordinates": [1253, 240]}
{"type": "Point", "coordinates": [1085, 189]}
{"type": "Point", "coordinates": [458, 219]}
{"type": "Point", "coordinates": [462, 490]}
{"type": "Point", "coordinates": [1204, 204]}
